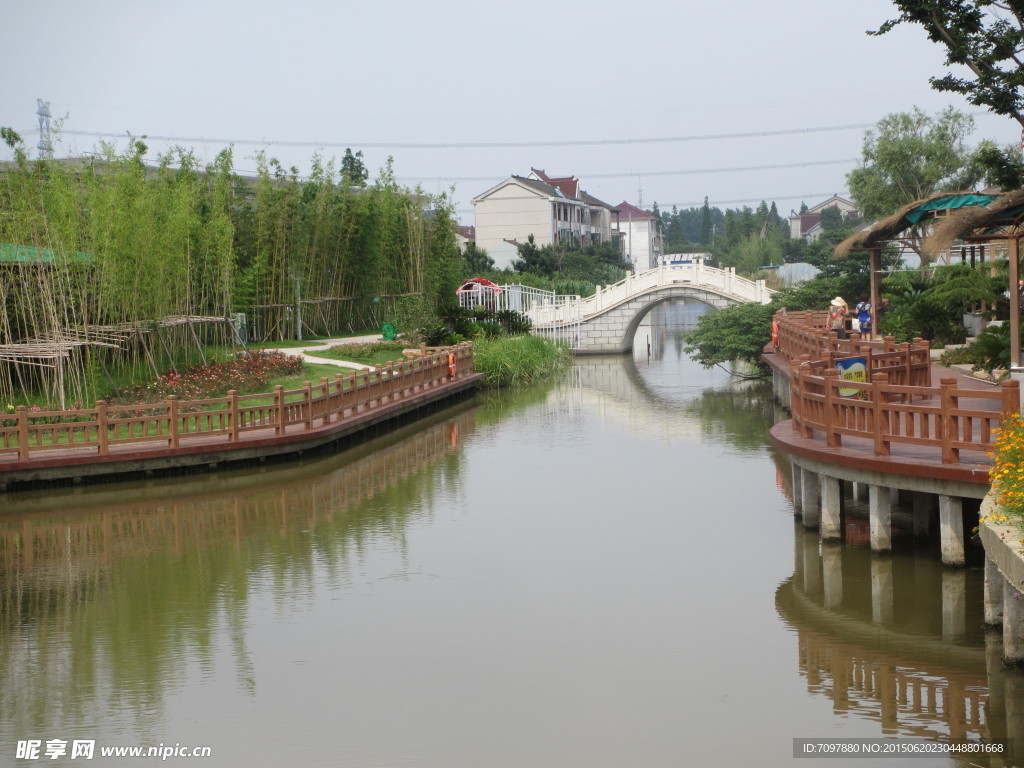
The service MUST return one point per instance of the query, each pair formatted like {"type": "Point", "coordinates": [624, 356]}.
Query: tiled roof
{"type": "Point", "coordinates": [569, 185]}
{"type": "Point", "coordinates": [589, 199]}
{"type": "Point", "coordinates": [539, 186]}
{"type": "Point", "coordinates": [632, 213]}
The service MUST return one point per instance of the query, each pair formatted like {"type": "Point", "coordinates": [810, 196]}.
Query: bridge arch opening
{"type": "Point", "coordinates": [680, 312]}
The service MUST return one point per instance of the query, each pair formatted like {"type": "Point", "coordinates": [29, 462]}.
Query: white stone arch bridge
{"type": "Point", "coordinates": [605, 322]}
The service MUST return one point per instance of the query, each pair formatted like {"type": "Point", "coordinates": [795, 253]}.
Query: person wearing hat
{"type": "Point", "coordinates": [837, 312]}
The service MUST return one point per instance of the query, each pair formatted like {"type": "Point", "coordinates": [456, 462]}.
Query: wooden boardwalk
{"type": "Point", "coordinates": [176, 435]}
{"type": "Point", "coordinates": [910, 417]}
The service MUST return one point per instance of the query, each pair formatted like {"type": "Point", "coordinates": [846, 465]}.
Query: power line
{"type": "Point", "coordinates": [475, 144]}
{"type": "Point", "coordinates": [630, 174]}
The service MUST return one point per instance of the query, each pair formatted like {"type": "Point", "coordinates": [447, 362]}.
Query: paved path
{"type": "Point", "coordinates": [324, 344]}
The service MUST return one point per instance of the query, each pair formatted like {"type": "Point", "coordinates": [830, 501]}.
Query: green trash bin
{"type": "Point", "coordinates": [388, 330]}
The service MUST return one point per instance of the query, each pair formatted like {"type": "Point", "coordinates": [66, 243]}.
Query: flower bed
{"type": "Point", "coordinates": [1007, 474]}
{"type": "Point", "coordinates": [248, 371]}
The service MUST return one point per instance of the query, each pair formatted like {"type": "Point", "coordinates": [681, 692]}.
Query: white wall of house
{"type": "Point", "coordinates": [511, 212]}
{"type": "Point", "coordinates": [641, 242]}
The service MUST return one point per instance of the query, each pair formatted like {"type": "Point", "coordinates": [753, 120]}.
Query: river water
{"type": "Point", "coordinates": [604, 571]}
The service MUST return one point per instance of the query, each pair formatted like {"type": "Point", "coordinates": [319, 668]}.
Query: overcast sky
{"type": "Point", "coordinates": [574, 88]}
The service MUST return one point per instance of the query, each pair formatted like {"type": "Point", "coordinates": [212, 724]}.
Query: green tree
{"type": "Point", "coordinates": [705, 222]}
{"type": "Point", "coordinates": [353, 170]}
{"type": "Point", "coordinates": [912, 155]}
{"type": "Point", "coordinates": [909, 156]}
{"type": "Point", "coordinates": [985, 36]}
{"type": "Point", "coordinates": [476, 260]}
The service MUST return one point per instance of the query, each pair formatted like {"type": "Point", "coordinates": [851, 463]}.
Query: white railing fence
{"type": "Point", "coordinates": [553, 315]}
{"type": "Point", "coordinates": [559, 317]}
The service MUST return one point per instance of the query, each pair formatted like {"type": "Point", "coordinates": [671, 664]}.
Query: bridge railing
{"type": "Point", "coordinates": [700, 275]}
{"type": "Point", "coordinates": [172, 423]}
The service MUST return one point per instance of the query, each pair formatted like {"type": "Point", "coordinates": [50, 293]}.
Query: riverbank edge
{"type": "Point", "coordinates": [74, 470]}
{"type": "Point", "coordinates": [1004, 544]}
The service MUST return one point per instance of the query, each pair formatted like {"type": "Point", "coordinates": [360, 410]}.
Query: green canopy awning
{"type": "Point", "coordinates": [947, 203]}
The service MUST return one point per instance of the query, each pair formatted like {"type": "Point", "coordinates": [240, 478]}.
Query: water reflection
{"type": "Point", "coordinates": [107, 596]}
{"type": "Point", "coordinates": [895, 639]}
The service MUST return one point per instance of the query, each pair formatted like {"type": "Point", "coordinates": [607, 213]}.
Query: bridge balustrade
{"type": "Point", "coordinates": [700, 275]}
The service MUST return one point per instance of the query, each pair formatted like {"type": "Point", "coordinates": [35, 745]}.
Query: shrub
{"type": "Point", "coordinates": [1007, 473]}
{"type": "Point", "coordinates": [518, 360]}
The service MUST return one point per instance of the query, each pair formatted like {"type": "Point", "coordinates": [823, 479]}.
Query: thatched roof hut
{"type": "Point", "coordinates": [909, 217]}
{"type": "Point", "coordinates": [969, 217]}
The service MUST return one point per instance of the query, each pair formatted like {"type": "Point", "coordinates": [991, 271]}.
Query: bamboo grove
{"type": "Point", "coordinates": [111, 268]}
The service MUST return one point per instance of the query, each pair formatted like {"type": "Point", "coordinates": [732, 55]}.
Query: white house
{"type": "Point", "coordinates": [553, 210]}
{"type": "Point", "coordinates": [641, 237]}
{"type": "Point", "coordinates": [808, 224]}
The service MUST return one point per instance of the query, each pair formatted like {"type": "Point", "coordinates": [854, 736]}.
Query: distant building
{"type": "Point", "coordinates": [807, 225]}
{"type": "Point", "coordinates": [642, 243]}
{"type": "Point", "coordinates": [552, 209]}
{"type": "Point", "coordinates": [465, 236]}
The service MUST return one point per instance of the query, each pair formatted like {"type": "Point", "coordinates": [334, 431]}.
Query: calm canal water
{"type": "Point", "coordinates": [600, 572]}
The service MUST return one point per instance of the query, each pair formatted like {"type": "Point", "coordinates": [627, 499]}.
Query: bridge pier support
{"type": "Point", "coordinates": [809, 495]}
{"type": "Point", "coordinates": [880, 518]}
{"type": "Point", "coordinates": [831, 509]}
{"type": "Point", "coordinates": [951, 529]}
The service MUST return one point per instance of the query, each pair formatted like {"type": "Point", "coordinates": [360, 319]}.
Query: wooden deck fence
{"type": "Point", "coordinates": [896, 404]}
{"type": "Point", "coordinates": [803, 336]}
{"type": "Point", "coordinates": [27, 434]}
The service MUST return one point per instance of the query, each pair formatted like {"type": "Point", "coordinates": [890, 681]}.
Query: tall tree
{"type": "Point", "coordinates": [909, 156]}
{"type": "Point", "coordinates": [353, 171]}
{"type": "Point", "coordinates": [705, 223]}
{"type": "Point", "coordinates": [985, 36]}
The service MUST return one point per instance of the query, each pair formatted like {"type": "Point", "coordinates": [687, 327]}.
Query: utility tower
{"type": "Point", "coordinates": [45, 143]}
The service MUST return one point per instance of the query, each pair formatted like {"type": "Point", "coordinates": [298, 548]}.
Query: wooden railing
{"type": "Point", "coordinates": [803, 337]}
{"type": "Point", "coordinates": [886, 413]}
{"type": "Point", "coordinates": [172, 423]}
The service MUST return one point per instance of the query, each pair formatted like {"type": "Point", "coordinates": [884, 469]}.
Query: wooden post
{"type": "Point", "coordinates": [102, 436]}
{"type": "Point", "coordinates": [307, 396]}
{"type": "Point", "coordinates": [878, 381]}
{"type": "Point", "coordinates": [22, 411]}
{"type": "Point", "coordinates": [949, 428]}
{"type": "Point", "coordinates": [832, 438]}
{"type": "Point", "coordinates": [794, 393]}
{"type": "Point", "coordinates": [805, 431]}
{"type": "Point", "coordinates": [233, 415]}
{"type": "Point", "coordinates": [279, 408]}
{"type": "Point", "coordinates": [1010, 390]}
{"type": "Point", "coordinates": [173, 440]}
{"type": "Point", "coordinates": [325, 400]}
